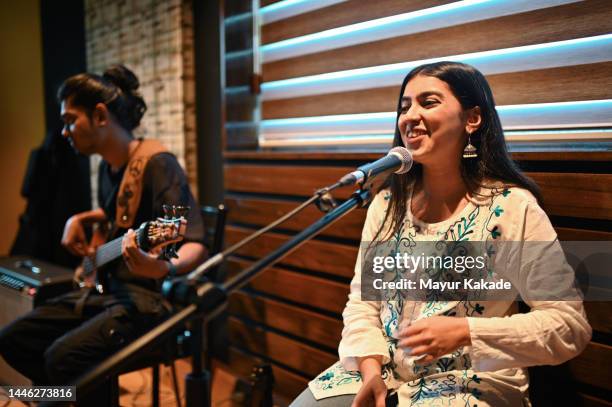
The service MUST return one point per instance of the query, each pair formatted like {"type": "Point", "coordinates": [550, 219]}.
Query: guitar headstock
{"type": "Point", "coordinates": [175, 211]}
{"type": "Point", "coordinates": [162, 234]}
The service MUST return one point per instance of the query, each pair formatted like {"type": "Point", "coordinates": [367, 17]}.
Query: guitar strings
{"type": "Point", "coordinates": [111, 250]}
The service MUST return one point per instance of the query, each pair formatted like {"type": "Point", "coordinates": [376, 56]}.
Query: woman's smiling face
{"type": "Point", "coordinates": [432, 122]}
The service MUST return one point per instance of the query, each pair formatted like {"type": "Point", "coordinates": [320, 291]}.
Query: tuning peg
{"type": "Point", "coordinates": [175, 211]}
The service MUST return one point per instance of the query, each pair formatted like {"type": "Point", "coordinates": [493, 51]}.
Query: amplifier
{"type": "Point", "coordinates": [24, 283]}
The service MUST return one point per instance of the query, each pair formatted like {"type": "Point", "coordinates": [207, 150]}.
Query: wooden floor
{"type": "Point", "coordinates": [135, 388]}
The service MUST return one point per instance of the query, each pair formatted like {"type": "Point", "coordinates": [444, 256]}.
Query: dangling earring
{"type": "Point", "coordinates": [470, 151]}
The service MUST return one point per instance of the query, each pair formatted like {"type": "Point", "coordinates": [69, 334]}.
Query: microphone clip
{"type": "Point", "coordinates": [325, 201]}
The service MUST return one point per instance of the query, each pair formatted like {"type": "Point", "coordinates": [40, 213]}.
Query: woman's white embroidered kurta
{"type": "Point", "coordinates": [490, 371]}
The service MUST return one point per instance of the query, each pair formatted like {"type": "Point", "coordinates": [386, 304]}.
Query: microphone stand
{"type": "Point", "coordinates": [324, 201]}
{"type": "Point", "coordinates": [207, 299]}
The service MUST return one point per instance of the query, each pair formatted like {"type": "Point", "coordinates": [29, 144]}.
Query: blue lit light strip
{"type": "Point", "coordinates": [600, 139]}
{"type": "Point", "coordinates": [446, 15]}
{"type": "Point", "coordinates": [588, 113]}
{"type": "Point", "coordinates": [563, 115]}
{"type": "Point", "coordinates": [289, 8]}
{"type": "Point", "coordinates": [559, 135]}
{"type": "Point", "coordinates": [237, 90]}
{"type": "Point", "coordinates": [349, 124]}
{"type": "Point", "coordinates": [274, 12]}
{"type": "Point", "coordinates": [237, 18]}
{"type": "Point", "coordinates": [539, 56]}
{"type": "Point", "coordinates": [339, 141]}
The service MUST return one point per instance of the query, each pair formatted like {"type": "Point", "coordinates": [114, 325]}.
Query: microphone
{"type": "Point", "coordinates": [397, 160]}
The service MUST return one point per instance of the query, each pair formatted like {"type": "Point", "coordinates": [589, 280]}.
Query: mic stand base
{"type": "Point", "coordinates": [197, 389]}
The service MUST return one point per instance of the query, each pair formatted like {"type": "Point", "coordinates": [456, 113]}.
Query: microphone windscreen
{"type": "Point", "coordinates": [405, 156]}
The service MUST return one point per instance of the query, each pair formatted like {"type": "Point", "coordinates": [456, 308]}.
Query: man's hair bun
{"type": "Point", "coordinates": [116, 88]}
{"type": "Point", "coordinates": [122, 77]}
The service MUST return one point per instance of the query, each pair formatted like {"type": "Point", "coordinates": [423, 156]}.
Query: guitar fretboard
{"type": "Point", "coordinates": [105, 254]}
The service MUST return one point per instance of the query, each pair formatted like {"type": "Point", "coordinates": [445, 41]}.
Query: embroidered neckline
{"type": "Point", "coordinates": [426, 226]}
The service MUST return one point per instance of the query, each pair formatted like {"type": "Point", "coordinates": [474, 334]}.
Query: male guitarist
{"type": "Point", "coordinates": [58, 341]}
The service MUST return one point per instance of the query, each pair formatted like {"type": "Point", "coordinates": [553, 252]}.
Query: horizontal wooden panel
{"type": "Point", "coordinates": [332, 296]}
{"type": "Point", "coordinates": [571, 234]}
{"type": "Point", "coordinates": [286, 180]}
{"type": "Point", "coordinates": [239, 72]}
{"type": "Point", "coordinates": [263, 3]}
{"type": "Point", "coordinates": [261, 212]}
{"type": "Point", "coordinates": [593, 366]}
{"type": "Point", "coordinates": [561, 155]}
{"type": "Point", "coordinates": [287, 318]}
{"type": "Point", "coordinates": [323, 257]}
{"type": "Point", "coordinates": [578, 195]}
{"type": "Point", "coordinates": [598, 313]}
{"type": "Point", "coordinates": [234, 8]}
{"type": "Point", "coordinates": [565, 22]}
{"type": "Point", "coordinates": [591, 401]}
{"type": "Point", "coordinates": [291, 353]}
{"type": "Point", "coordinates": [296, 287]}
{"type": "Point", "coordinates": [349, 12]}
{"type": "Point", "coordinates": [240, 139]}
{"type": "Point", "coordinates": [353, 102]}
{"type": "Point", "coordinates": [286, 383]}
{"type": "Point", "coordinates": [375, 153]}
{"type": "Point", "coordinates": [580, 82]}
{"type": "Point", "coordinates": [310, 155]}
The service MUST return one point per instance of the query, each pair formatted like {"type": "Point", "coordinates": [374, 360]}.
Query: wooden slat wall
{"type": "Point", "coordinates": [290, 315]}
{"type": "Point", "coordinates": [551, 24]}
{"type": "Point", "coordinates": [580, 82]}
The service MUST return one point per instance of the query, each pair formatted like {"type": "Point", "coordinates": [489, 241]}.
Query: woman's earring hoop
{"type": "Point", "coordinates": [470, 151]}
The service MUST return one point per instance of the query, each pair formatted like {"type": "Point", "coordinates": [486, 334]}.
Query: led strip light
{"type": "Point", "coordinates": [580, 120]}
{"type": "Point", "coordinates": [432, 18]}
{"type": "Point", "coordinates": [530, 57]}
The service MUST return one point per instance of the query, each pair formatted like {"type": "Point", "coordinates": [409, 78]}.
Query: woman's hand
{"type": "Point", "coordinates": [74, 238]}
{"type": "Point", "coordinates": [435, 336]}
{"type": "Point", "coordinates": [372, 393]}
{"type": "Point", "coordinates": [139, 262]}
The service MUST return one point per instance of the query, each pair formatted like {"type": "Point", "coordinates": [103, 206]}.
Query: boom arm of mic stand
{"type": "Point", "coordinates": [219, 257]}
{"type": "Point", "coordinates": [360, 197]}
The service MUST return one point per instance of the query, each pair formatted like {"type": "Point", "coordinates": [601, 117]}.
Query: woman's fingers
{"type": "Point", "coordinates": [413, 341]}
{"type": "Point", "coordinates": [421, 350]}
{"type": "Point", "coordinates": [427, 359]}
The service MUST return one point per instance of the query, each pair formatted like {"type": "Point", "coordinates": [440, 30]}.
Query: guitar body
{"type": "Point", "coordinates": [98, 238]}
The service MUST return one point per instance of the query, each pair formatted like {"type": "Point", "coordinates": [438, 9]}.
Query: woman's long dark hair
{"type": "Point", "coordinates": [116, 88]}
{"type": "Point", "coordinates": [493, 162]}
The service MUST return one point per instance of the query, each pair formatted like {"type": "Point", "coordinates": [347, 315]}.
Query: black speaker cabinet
{"type": "Point", "coordinates": [24, 283]}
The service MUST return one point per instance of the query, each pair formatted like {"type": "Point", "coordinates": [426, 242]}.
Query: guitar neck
{"type": "Point", "coordinates": [106, 253]}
